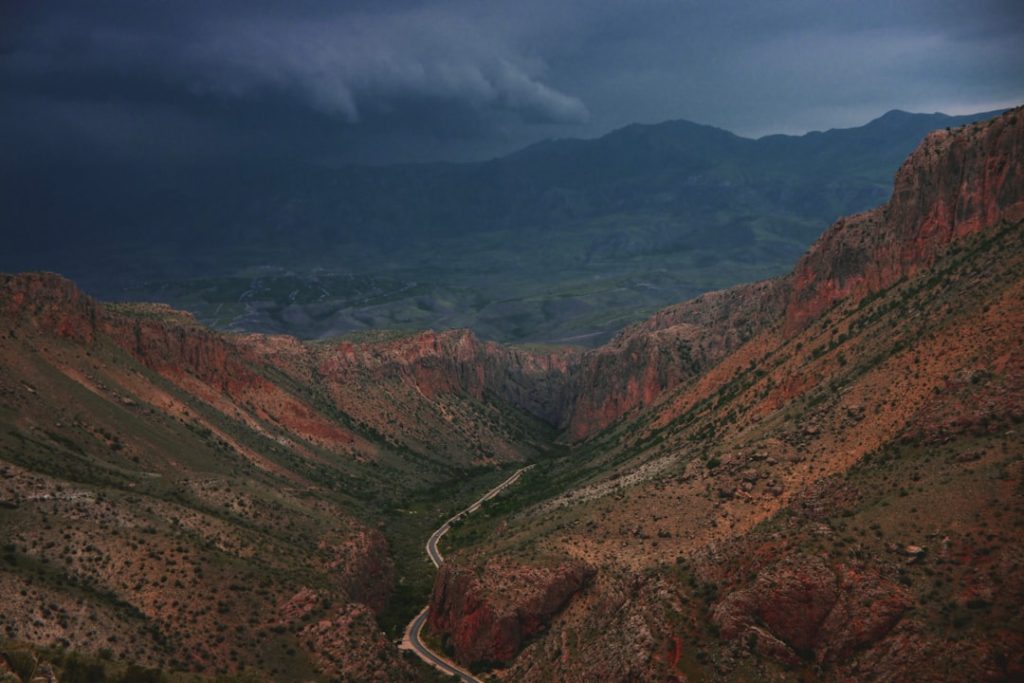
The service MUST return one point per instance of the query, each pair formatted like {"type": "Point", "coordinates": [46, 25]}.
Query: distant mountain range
{"type": "Point", "coordinates": [652, 213]}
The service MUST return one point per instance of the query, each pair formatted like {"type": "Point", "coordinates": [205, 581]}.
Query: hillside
{"type": "Point", "coordinates": [814, 477]}
{"type": "Point", "coordinates": [191, 501]}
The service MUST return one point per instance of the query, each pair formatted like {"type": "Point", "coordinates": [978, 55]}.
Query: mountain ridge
{"type": "Point", "coordinates": [570, 239]}
{"type": "Point", "coordinates": [831, 269]}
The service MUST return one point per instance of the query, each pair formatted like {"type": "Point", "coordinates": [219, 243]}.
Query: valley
{"type": "Point", "coordinates": [814, 476]}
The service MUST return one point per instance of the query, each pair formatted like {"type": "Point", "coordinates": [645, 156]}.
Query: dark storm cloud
{"type": "Point", "coordinates": [459, 78]}
{"type": "Point", "coordinates": [340, 59]}
{"type": "Point", "coordinates": [365, 62]}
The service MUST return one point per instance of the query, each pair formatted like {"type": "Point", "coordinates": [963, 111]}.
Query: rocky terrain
{"type": "Point", "coordinates": [195, 501]}
{"type": "Point", "coordinates": [488, 621]}
{"type": "Point", "coordinates": [816, 477]}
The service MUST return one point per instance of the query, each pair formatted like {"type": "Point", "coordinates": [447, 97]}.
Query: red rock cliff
{"type": "Point", "coordinates": [670, 348]}
{"type": "Point", "coordinates": [487, 616]}
{"type": "Point", "coordinates": [954, 184]}
{"type": "Point", "coordinates": [455, 361]}
{"type": "Point", "coordinates": [49, 302]}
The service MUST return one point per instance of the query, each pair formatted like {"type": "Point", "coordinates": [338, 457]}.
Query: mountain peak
{"type": "Point", "coordinates": [898, 114]}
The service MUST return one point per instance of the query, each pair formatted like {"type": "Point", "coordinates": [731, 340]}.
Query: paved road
{"type": "Point", "coordinates": [413, 642]}
{"type": "Point", "coordinates": [412, 639]}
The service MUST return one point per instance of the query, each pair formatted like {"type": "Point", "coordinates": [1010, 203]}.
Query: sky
{"type": "Point", "coordinates": [353, 81]}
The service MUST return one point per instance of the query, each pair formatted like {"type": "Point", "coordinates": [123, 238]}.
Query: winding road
{"type": "Point", "coordinates": [412, 640]}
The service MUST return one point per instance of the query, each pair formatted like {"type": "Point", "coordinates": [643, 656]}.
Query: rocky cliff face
{"type": "Point", "coordinates": [455, 361]}
{"type": "Point", "coordinates": [674, 346]}
{"type": "Point", "coordinates": [542, 383]}
{"type": "Point", "coordinates": [486, 616]}
{"type": "Point", "coordinates": [953, 185]}
{"type": "Point", "coordinates": [52, 303]}
{"type": "Point", "coordinates": [361, 564]}
{"type": "Point", "coordinates": [804, 606]}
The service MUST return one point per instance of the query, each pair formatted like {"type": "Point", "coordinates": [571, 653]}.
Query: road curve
{"type": "Point", "coordinates": [412, 639]}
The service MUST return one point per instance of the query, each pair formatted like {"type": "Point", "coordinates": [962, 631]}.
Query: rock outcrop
{"type": "Point", "coordinates": [953, 185]}
{"type": "Point", "coordinates": [804, 607]}
{"type": "Point", "coordinates": [51, 303]}
{"type": "Point", "coordinates": [348, 645]}
{"type": "Point", "coordinates": [362, 566]}
{"type": "Point", "coordinates": [487, 615]}
{"type": "Point", "coordinates": [455, 361]}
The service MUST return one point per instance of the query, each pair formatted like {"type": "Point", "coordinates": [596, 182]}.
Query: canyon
{"type": "Point", "coordinates": [817, 476]}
